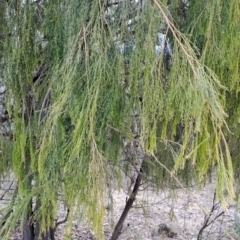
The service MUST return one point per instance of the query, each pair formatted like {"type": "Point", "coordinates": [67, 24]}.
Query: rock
{"type": "Point", "coordinates": [164, 230]}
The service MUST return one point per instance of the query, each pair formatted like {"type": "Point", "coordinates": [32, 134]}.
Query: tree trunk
{"type": "Point", "coordinates": [49, 235]}
{"type": "Point", "coordinates": [28, 228]}
{"type": "Point", "coordinates": [28, 225]}
{"type": "Point", "coordinates": [128, 205]}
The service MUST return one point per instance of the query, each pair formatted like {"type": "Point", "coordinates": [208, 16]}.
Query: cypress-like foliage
{"type": "Point", "coordinates": [77, 73]}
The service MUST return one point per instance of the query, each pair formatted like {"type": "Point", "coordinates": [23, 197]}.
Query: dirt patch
{"type": "Point", "coordinates": [183, 213]}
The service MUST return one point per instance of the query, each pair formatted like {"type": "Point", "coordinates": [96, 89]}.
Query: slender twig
{"type": "Point", "coordinates": [43, 104]}
{"type": "Point", "coordinates": [175, 32]}
{"type": "Point", "coordinates": [150, 204]}
{"type": "Point", "coordinates": [7, 190]}
{"type": "Point", "coordinates": [63, 220]}
{"type": "Point", "coordinates": [171, 174]}
{"type": "Point", "coordinates": [10, 211]}
{"type": "Point", "coordinates": [123, 134]}
{"type": "Point", "coordinates": [208, 220]}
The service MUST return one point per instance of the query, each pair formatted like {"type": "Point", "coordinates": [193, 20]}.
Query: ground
{"type": "Point", "coordinates": [182, 212]}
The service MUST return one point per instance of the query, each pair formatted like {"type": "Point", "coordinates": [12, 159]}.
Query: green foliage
{"type": "Point", "coordinates": [69, 124]}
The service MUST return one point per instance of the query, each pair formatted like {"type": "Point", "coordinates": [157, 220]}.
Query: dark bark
{"type": "Point", "coordinates": [49, 235]}
{"type": "Point", "coordinates": [31, 230]}
{"type": "Point", "coordinates": [129, 204]}
{"type": "Point", "coordinates": [41, 72]}
{"type": "Point", "coordinates": [28, 228]}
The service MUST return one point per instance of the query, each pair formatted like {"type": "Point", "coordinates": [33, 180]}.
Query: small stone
{"type": "Point", "coordinates": [163, 229]}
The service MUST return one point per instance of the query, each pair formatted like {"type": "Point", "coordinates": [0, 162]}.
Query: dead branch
{"type": "Point", "coordinates": [208, 220]}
